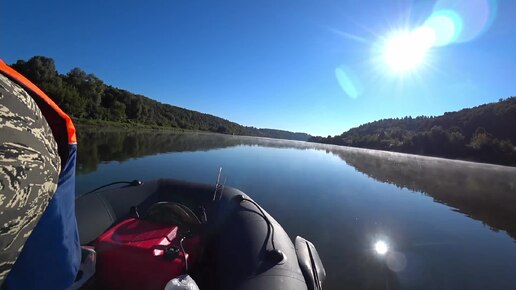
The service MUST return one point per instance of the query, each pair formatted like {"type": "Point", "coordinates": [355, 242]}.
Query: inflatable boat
{"type": "Point", "coordinates": [144, 234]}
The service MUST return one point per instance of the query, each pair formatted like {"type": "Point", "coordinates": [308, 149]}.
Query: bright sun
{"type": "Point", "coordinates": [406, 51]}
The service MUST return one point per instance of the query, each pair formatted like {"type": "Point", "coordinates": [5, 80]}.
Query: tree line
{"type": "Point", "coordinates": [86, 97]}
{"type": "Point", "coordinates": [486, 133]}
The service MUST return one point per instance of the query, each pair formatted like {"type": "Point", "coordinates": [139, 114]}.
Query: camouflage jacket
{"type": "Point", "coordinates": [29, 170]}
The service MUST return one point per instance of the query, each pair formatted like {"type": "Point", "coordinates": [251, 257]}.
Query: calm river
{"type": "Point", "coordinates": [442, 224]}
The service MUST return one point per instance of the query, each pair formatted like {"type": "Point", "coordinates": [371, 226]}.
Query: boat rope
{"type": "Point", "coordinates": [269, 223]}
{"type": "Point", "coordinates": [131, 183]}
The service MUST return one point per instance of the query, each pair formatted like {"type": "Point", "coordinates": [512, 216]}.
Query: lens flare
{"type": "Point", "coordinates": [446, 26]}
{"type": "Point", "coordinates": [396, 261]}
{"type": "Point", "coordinates": [347, 82]}
{"type": "Point", "coordinates": [475, 16]}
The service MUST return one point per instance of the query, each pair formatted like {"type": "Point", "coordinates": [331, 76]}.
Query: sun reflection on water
{"type": "Point", "coordinates": [381, 247]}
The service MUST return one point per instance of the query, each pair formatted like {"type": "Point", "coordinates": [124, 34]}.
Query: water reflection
{"type": "Point", "coordinates": [483, 192]}
{"type": "Point", "coordinates": [381, 247]}
{"type": "Point", "coordinates": [97, 146]}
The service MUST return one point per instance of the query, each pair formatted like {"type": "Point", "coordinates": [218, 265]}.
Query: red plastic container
{"type": "Point", "coordinates": [131, 255]}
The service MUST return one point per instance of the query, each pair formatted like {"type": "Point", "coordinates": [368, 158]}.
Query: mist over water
{"type": "Point", "coordinates": [379, 220]}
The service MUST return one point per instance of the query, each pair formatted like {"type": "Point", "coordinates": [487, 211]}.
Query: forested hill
{"type": "Point", "coordinates": [486, 133]}
{"type": "Point", "coordinates": [85, 97]}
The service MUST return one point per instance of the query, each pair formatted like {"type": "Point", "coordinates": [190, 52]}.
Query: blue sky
{"type": "Point", "coordinates": [272, 63]}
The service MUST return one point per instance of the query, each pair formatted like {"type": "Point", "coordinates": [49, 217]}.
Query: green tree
{"type": "Point", "coordinates": [480, 139]}
{"type": "Point", "coordinates": [134, 109]}
{"type": "Point", "coordinates": [89, 87]}
{"type": "Point", "coordinates": [117, 111]}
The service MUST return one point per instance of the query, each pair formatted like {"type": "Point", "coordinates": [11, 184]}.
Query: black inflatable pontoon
{"type": "Point", "coordinates": [244, 247]}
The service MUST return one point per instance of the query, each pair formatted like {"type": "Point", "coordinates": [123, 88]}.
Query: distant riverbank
{"type": "Point", "coordinates": [485, 133]}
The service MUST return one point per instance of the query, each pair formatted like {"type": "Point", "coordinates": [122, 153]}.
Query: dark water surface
{"type": "Point", "coordinates": [447, 224]}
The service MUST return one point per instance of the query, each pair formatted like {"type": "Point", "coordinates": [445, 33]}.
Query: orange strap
{"type": "Point", "coordinates": [70, 128]}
